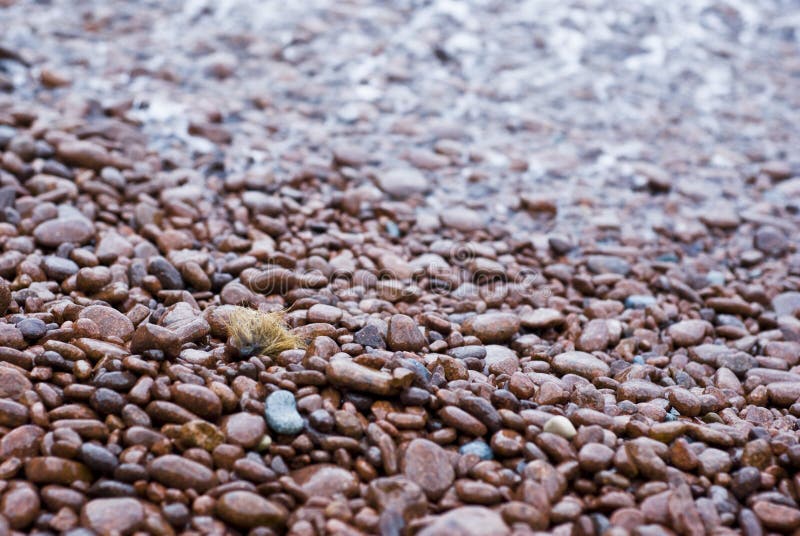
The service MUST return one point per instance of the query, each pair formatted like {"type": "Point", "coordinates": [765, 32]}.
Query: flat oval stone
{"type": "Point", "coordinates": [110, 321]}
{"type": "Point", "coordinates": [198, 399]}
{"type": "Point", "coordinates": [182, 473]}
{"type": "Point", "coordinates": [113, 516]}
{"type": "Point", "coordinates": [247, 510]}
{"type": "Point", "coordinates": [344, 372]}
{"type": "Point", "coordinates": [52, 470]}
{"type": "Point", "coordinates": [479, 448]}
{"type": "Point", "coordinates": [492, 328]}
{"type": "Point", "coordinates": [325, 480]}
{"type": "Point", "coordinates": [21, 442]}
{"type": "Point", "coordinates": [467, 521]}
{"type": "Point", "coordinates": [53, 233]}
{"type": "Point", "coordinates": [402, 182]}
{"type": "Point", "coordinates": [688, 332]}
{"type": "Point", "coordinates": [580, 363]}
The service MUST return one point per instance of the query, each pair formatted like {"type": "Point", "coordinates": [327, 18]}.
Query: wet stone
{"type": "Point", "coordinates": [53, 233]}
{"type": "Point", "coordinates": [504, 307]}
{"type": "Point", "coordinates": [20, 505]}
{"type": "Point", "coordinates": [428, 465]}
{"type": "Point", "coordinates": [110, 321]}
{"type": "Point", "coordinates": [169, 276]}
{"type": "Point", "coordinates": [688, 332]}
{"type": "Point", "coordinates": [344, 372]}
{"type": "Point", "coordinates": [580, 363]}
{"type": "Point", "coordinates": [325, 480]}
{"type": "Point", "coordinates": [53, 470]}
{"type": "Point", "coordinates": [200, 434]}
{"type": "Point", "coordinates": [786, 303]}
{"type": "Point", "coordinates": [32, 328]}
{"type": "Point", "coordinates": [404, 334]}
{"type": "Point", "coordinates": [113, 516]}
{"type": "Point", "coordinates": [601, 264]}
{"type": "Point", "coordinates": [492, 328]}
{"type": "Point", "coordinates": [402, 182]}
{"type": "Point", "coordinates": [244, 429]}
{"type": "Point", "coordinates": [595, 336]}
{"type": "Point", "coordinates": [777, 516]}
{"type": "Point", "coordinates": [477, 448]}
{"type": "Point", "coordinates": [639, 301]}
{"type": "Point", "coordinates": [542, 318]}
{"type": "Point", "coordinates": [98, 459]}
{"type": "Point", "coordinates": [281, 413]}
{"type": "Point", "coordinates": [369, 336]}
{"type": "Point", "coordinates": [5, 296]}
{"type": "Point", "coordinates": [181, 473]}
{"type": "Point", "coordinates": [713, 461]}
{"type": "Point", "coordinates": [12, 414]}
{"type": "Point", "coordinates": [468, 521]}
{"type": "Point", "coordinates": [560, 426]}
{"type": "Point", "coordinates": [770, 241]}
{"type": "Point", "coordinates": [247, 510]}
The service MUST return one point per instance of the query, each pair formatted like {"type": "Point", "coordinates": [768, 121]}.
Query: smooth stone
{"type": "Point", "coordinates": [53, 233]}
{"type": "Point", "coordinates": [21, 442]}
{"type": "Point", "coordinates": [244, 429]}
{"type": "Point", "coordinates": [111, 322]}
{"type": "Point", "coordinates": [580, 363]}
{"type": "Point", "coordinates": [603, 264]}
{"type": "Point", "coordinates": [325, 480]}
{"type": "Point", "coordinates": [198, 399]}
{"type": "Point", "coordinates": [467, 521]}
{"type": "Point", "coordinates": [247, 510]}
{"type": "Point", "coordinates": [481, 449]}
{"type": "Point", "coordinates": [53, 470]}
{"type": "Point", "coordinates": [688, 332]}
{"type": "Point", "coordinates": [639, 301]}
{"type": "Point", "coordinates": [403, 182]}
{"type": "Point", "coordinates": [542, 318]}
{"type": "Point", "coordinates": [182, 473]}
{"type": "Point", "coordinates": [560, 426]}
{"type": "Point", "coordinates": [281, 413]}
{"type": "Point", "coordinates": [428, 465]}
{"type": "Point", "coordinates": [343, 372]}
{"type": "Point", "coordinates": [5, 296]}
{"type": "Point", "coordinates": [20, 504]}
{"type": "Point", "coordinates": [32, 329]}
{"type": "Point", "coordinates": [113, 516]}
{"type": "Point", "coordinates": [462, 219]}
{"type": "Point", "coordinates": [786, 304]}
{"type": "Point", "coordinates": [492, 328]}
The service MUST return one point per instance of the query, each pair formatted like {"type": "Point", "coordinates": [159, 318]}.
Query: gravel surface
{"type": "Point", "coordinates": [543, 258]}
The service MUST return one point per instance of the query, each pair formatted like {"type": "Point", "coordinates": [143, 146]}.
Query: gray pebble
{"type": "Point", "coordinates": [281, 413]}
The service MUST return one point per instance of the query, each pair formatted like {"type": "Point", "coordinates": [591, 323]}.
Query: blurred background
{"type": "Point", "coordinates": [534, 114]}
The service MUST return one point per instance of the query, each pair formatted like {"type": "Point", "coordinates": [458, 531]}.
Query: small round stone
{"type": "Point", "coordinates": [561, 426]}
{"type": "Point", "coordinates": [480, 449]}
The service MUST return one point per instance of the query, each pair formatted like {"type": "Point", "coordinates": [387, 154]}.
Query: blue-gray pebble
{"type": "Point", "coordinates": [479, 448]}
{"type": "Point", "coordinates": [281, 413]}
{"type": "Point", "coordinates": [715, 278]}
{"type": "Point", "coordinates": [639, 301]}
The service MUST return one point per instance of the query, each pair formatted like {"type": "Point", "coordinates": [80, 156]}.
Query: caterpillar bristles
{"type": "Point", "coordinates": [252, 332]}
